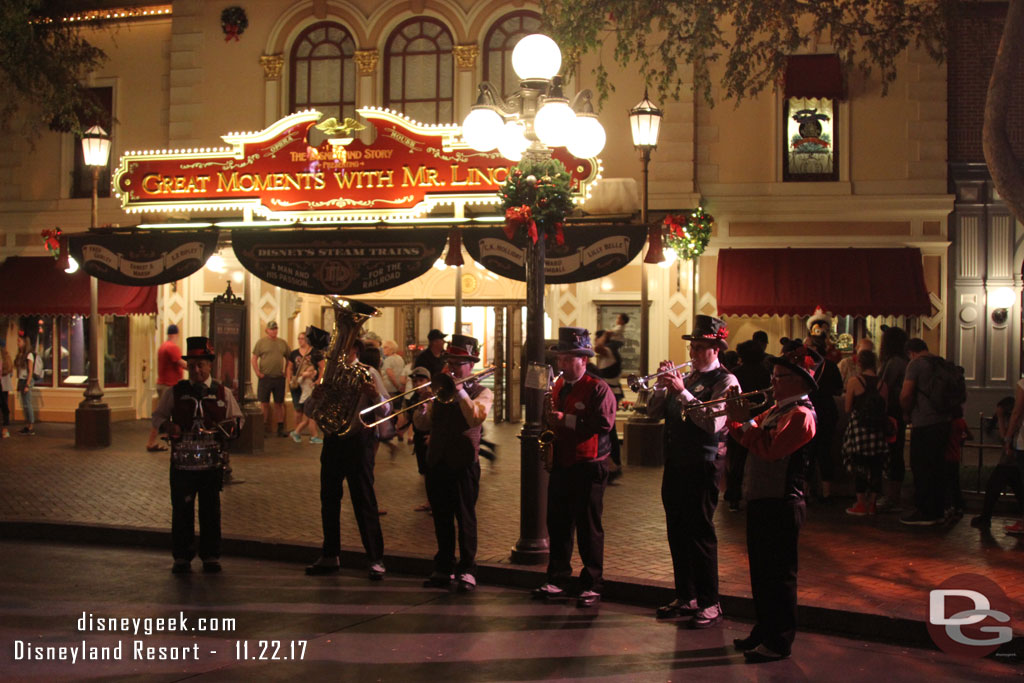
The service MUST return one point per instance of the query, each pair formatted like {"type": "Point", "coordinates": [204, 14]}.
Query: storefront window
{"type": "Point", "coordinates": [39, 332]}
{"type": "Point", "coordinates": [419, 71]}
{"type": "Point", "coordinates": [323, 71]}
{"type": "Point", "coordinates": [74, 350]}
{"type": "Point", "coordinates": [607, 319]}
{"type": "Point", "coordinates": [115, 363]}
{"type": "Point", "coordinates": [498, 45]}
{"type": "Point", "coordinates": [810, 139]}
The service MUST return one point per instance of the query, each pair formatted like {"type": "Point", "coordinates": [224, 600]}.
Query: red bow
{"type": "Point", "coordinates": [520, 216]}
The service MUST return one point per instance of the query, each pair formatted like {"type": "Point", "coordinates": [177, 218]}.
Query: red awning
{"type": "Point", "coordinates": [814, 76]}
{"type": "Point", "coordinates": [36, 285]}
{"type": "Point", "coordinates": [841, 281]}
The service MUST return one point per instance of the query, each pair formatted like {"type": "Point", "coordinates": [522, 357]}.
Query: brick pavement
{"type": "Point", "coordinates": [871, 566]}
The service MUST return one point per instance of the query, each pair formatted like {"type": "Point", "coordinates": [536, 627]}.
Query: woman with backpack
{"type": "Point", "coordinates": [864, 443]}
{"type": "Point", "coordinates": [23, 367]}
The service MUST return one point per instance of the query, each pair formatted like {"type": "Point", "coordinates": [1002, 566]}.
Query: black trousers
{"type": "Point", "coordinates": [5, 407]}
{"type": "Point", "coordinates": [736, 461]}
{"type": "Point", "coordinates": [575, 504]}
{"type": "Point", "coordinates": [689, 492]}
{"type": "Point", "coordinates": [186, 486]}
{"type": "Point", "coordinates": [1003, 476]}
{"type": "Point", "coordinates": [350, 458]}
{"type": "Point", "coordinates": [773, 527]}
{"type": "Point", "coordinates": [452, 492]}
{"type": "Point", "coordinates": [928, 465]}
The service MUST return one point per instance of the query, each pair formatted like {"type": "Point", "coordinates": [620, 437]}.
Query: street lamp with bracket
{"type": "Point", "coordinates": [92, 417]}
{"type": "Point", "coordinates": [527, 124]}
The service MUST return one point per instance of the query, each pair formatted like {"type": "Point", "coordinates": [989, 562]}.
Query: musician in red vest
{"type": "Point", "coordinates": [582, 415]}
{"type": "Point", "coordinates": [453, 465]}
{"type": "Point", "coordinates": [200, 417]}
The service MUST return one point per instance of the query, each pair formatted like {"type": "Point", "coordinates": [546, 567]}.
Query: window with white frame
{"type": "Point", "coordinates": [323, 70]}
{"type": "Point", "coordinates": [419, 71]}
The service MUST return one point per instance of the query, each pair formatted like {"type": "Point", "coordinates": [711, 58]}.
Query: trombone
{"type": "Point", "coordinates": [637, 383]}
{"type": "Point", "coordinates": [765, 393]}
{"type": "Point", "coordinates": [443, 386]}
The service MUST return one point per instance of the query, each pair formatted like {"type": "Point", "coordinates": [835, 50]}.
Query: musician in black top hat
{"type": "Point", "coordinates": [775, 485]}
{"type": "Point", "coordinates": [453, 464]}
{"type": "Point", "coordinates": [200, 417]}
{"type": "Point", "coordinates": [581, 414]}
{"type": "Point", "coordinates": [694, 459]}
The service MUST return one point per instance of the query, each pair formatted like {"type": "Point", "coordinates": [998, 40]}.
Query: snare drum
{"type": "Point", "coordinates": [196, 454]}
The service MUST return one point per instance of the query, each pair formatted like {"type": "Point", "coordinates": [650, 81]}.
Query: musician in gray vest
{"type": "Point", "coordinates": [351, 456]}
{"type": "Point", "coordinates": [200, 417]}
{"type": "Point", "coordinates": [694, 460]}
{"type": "Point", "coordinates": [453, 465]}
{"type": "Point", "coordinates": [775, 486]}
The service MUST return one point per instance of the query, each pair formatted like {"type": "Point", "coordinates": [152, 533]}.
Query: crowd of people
{"type": "Point", "coordinates": [771, 430]}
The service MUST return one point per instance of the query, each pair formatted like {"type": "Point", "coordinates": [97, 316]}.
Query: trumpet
{"type": "Point", "coordinates": [765, 393]}
{"type": "Point", "coordinates": [637, 383]}
{"type": "Point", "coordinates": [443, 386]}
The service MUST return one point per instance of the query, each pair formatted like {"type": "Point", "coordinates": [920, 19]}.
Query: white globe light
{"type": "Point", "coordinates": [1003, 297]}
{"type": "Point", "coordinates": [216, 263]}
{"type": "Point", "coordinates": [513, 141]}
{"type": "Point", "coordinates": [588, 137]}
{"type": "Point", "coordinates": [536, 56]}
{"type": "Point", "coordinates": [554, 122]}
{"type": "Point", "coordinates": [670, 257]}
{"type": "Point", "coordinates": [482, 128]}
{"type": "Point", "coordinates": [72, 265]}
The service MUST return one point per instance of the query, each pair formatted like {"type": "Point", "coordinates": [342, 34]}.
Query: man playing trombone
{"type": "Point", "coordinates": [694, 457]}
{"type": "Point", "coordinates": [453, 462]}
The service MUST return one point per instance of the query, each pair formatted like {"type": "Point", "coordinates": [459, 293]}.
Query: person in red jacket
{"type": "Point", "coordinates": [775, 487]}
{"type": "Point", "coordinates": [582, 415]}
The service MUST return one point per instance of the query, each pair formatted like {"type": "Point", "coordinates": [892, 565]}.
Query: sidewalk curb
{"type": "Point", "coordinates": [839, 622]}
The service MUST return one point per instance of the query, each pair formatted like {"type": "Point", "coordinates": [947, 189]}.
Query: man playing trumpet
{"type": "Point", "coordinates": [694, 459]}
{"type": "Point", "coordinates": [453, 464]}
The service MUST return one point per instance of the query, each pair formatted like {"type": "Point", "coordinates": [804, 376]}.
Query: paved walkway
{"type": "Point", "coordinates": [264, 621]}
{"type": "Point", "coordinates": [859, 566]}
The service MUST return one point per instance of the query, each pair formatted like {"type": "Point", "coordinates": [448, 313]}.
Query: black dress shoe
{"type": "Point", "coordinates": [181, 567]}
{"type": "Point", "coordinates": [437, 580]}
{"type": "Point", "coordinates": [323, 566]}
{"type": "Point", "coordinates": [677, 608]}
{"type": "Point", "coordinates": [748, 643]}
{"type": "Point", "coordinates": [763, 654]}
{"type": "Point", "coordinates": [212, 567]}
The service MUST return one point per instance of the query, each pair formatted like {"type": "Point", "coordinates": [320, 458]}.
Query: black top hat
{"type": "Point", "coordinates": [198, 348]}
{"type": "Point", "coordinates": [803, 360]}
{"type": "Point", "coordinates": [575, 341]}
{"type": "Point", "coordinates": [436, 334]}
{"type": "Point", "coordinates": [709, 329]}
{"type": "Point", "coordinates": [462, 349]}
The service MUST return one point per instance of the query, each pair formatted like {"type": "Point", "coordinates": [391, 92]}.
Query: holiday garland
{"type": "Point", "coordinates": [536, 196]}
{"type": "Point", "coordinates": [689, 234]}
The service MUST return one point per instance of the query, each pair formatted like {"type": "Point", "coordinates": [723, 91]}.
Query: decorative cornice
{"type": "Point", "coordinates": [465, 56]}
{"type": "Point", "coordinates": [272, 65]}
{"type": "Point", "coordinates": [366, 61]}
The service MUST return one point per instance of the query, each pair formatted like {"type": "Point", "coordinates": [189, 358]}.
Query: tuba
{"type": "Point", "coordinates": [334, 403]}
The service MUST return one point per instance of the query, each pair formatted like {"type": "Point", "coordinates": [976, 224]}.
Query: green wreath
{"type": "Point", "coordinates": [689, 234]}
{"type": "Point", "coordinates": [233, 21]}
{"type": "Point", "coordinates": [537, 196]}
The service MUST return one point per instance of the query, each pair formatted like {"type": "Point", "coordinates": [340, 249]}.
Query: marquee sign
{"type": "Point", "coordinates": [589, 252]}
{"type": "Point", "coordinates": [136, 258]}
{"type": "Point", "coordinates": [350, 261]}
{"type": "Point", "coordinates": [298, 169]}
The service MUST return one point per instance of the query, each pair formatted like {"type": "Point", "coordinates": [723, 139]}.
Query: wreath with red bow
{"type": "Point", "coordinates": [536, 197]}
{"type": "Point", "coordinates": [689, 234]}
{"type": "Point", "coordinates": [51, 240]}
{"type": "Point", "coordinates": [233, 21]}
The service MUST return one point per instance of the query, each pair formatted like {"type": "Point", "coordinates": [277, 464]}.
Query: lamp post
{"type": "Point", "coordinates": [645, 124]}
{"type": "Point", "coordinates": [92, 417]}
{"type": "Point", "coordinates": [527, 124]}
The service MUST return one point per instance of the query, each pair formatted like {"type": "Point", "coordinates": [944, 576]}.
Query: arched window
{"type": "Point", "coordinates": [419, 71]}
{"type": "Point", "coordinates": [498, 44]}
{"type": "Point", "coordinates": [323, 71]}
